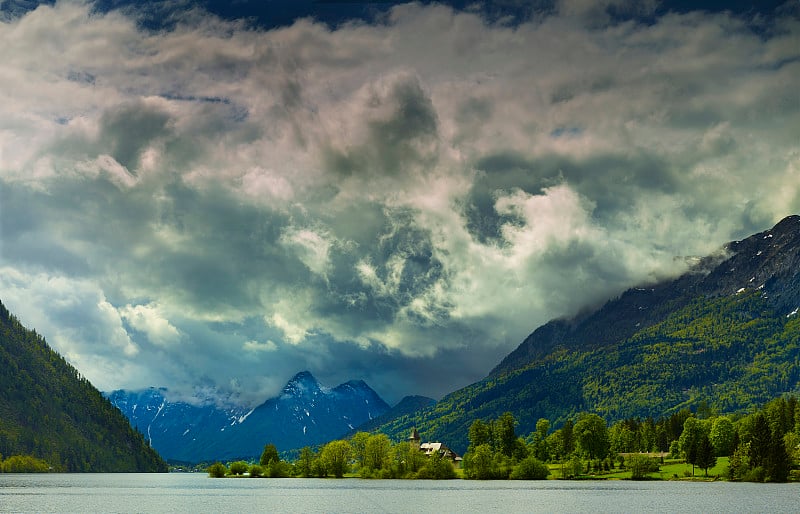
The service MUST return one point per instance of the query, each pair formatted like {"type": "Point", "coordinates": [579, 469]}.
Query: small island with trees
{"type": "Point", "coordinates": [763, 446]}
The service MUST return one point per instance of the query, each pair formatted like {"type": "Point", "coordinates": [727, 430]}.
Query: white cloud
{"type": "Point", "coordinates": [261, 183]}
{"type": "Point", "coordinates": [293, 325]}
{"type": "Point", "coordinates": [431, 183]}
{"type": "Point", "coordinates": [150, 320]}
{"type": "Point", "coordinates": [256, 346]}
{"type": "Point", "coordinates": [77, 320]}
{"type": "Point", "coordinates": [311, 247]}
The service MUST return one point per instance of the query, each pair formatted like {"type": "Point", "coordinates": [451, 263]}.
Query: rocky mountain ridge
{"type": "Point", "coordinates": [768, 261]}
{"type": "Point", "coordinates": [304, 413]}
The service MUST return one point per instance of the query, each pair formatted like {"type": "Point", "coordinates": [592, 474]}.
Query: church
{"type": "Point", "coordinates": [431, 448]}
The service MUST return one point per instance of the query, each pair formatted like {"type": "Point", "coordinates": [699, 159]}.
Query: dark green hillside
{"type": "Point", "coordinates": [49, 411]}
{"type": "Point", "coordinates": [729, 353]}
{"type": "Point", "coordinates": [724, 336]}
{"type": "Point", "coordinates": [408, 406]}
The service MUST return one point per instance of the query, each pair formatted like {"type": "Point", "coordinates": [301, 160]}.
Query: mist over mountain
{"type": "Point", "coordinates": [306, 413]}
{"type": "Point", "coordinates": [768, 261]}
{"type": "Point", "coordinates": [725, 335]}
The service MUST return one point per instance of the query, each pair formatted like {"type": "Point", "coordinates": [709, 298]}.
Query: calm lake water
{"type": "Point", "coordinates": [178, 492]}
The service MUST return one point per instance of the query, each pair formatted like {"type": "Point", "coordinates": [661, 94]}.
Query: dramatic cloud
{"type": "Point", "coordinates": [216, 204]}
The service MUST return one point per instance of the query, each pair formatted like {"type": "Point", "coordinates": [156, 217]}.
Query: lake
{"type": "Point", "coordinates": [188, 492]}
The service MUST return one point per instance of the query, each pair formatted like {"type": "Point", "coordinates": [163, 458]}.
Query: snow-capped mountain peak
{"type": "Point", "coordinates": [305, 413]}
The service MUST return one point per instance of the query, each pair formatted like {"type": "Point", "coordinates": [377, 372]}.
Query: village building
{"type": "Point", "coordinates": [432, 448]}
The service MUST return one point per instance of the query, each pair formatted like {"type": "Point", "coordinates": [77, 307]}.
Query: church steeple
{"type": "Point", "coordinates": [414, 439]}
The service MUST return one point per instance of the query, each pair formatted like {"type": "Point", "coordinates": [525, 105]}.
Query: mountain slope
{"type": "Point", "coordinates": [408, 406]}
{"type": "Point", "coordinates": [48, 410]}
{"type": "Point", "coordinates": [173, 427]}
{"type": "Point", "coordinates": [726, 334]}
{"type": "Point", "coordinates": [769, 260]}
{"type": "Point", "coordinates": [305, 413]}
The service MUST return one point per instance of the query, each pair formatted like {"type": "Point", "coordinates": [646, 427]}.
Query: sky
{"type": "Point", "coordinates": [214, 196]}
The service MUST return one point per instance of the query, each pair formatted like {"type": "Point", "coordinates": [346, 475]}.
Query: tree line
{"type": "Point", "coordinates": [365, 455]}
{"type": "Point", "coordinates": [762, 446]}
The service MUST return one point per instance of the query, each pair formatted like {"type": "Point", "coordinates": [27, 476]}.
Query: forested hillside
{"type": "Point", "coordinates": [725, 337]}
{"type": "Point", "coordinates": [49, 411]}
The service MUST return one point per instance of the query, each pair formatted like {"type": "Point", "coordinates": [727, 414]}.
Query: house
{"type": "Point", "coordinates": [432, 448]}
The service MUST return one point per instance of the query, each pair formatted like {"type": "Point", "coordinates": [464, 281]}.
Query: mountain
{"type": "Point", "coordinates": [174, 428]}
{"type": "Point", "coordinates": [304, 414]}
{"type": "Point", "coordinates": [408, 406]}
{"type": "Point", "coordinates": [49, 411]}
{"type": "Point", "coordinates": [768, 261]}
{"type": "Point", "coordinates": [725, 335]}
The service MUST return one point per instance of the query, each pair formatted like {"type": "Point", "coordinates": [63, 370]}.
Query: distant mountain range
{"type": "Point", "coordinates": [304, 414]}
{"type": "Point", "coordinates": [725, 335]}
{"type": "Point", "coordinates": [49, 411]}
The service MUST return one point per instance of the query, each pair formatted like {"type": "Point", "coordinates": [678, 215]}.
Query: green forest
{"type": "Point", "coordinates": [726, 354]}
{"type": "Point", "coordinates": [50, 414]}
{"type": "Point", "coordinates": [763, 446]}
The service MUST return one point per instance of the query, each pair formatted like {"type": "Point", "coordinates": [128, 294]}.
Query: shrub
{"type": "Point", "coordinates": [24, 464]}
{"type": "Point", "coordinates": [757, 474]}
{"type": "Point", "coordinates": [239, 467]}
{"type": "Point", "coordinates": [256, 471]}
{"type": "Point", "coordinates": [574, 467]}
{"type": "Point", "coordinates": [530, 468]}
{"type": "Point", "coordinates": [217, 470]}
{"type": "Point", "coordinates": [641, 466]}
{"type": "Point", "coordinates": [437, 468]}
{"type": "Point", "coordinates": [278, 469]}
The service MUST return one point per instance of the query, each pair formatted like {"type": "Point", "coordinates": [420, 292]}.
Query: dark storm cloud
{"type": "Point", "coordinates": [610, 180]}
{"type": "Point", "coordinates": [407, 136]}
{"type": "Point", "coordinates": [212, 203]}
{"type": "Point", "coordinates": [127, 132]}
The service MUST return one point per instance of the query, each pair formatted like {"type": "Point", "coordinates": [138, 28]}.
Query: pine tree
{"type": "Point", "coordinates": [270, 454]}
{"type": "Point", "coordinates": [705, 454]}
{"type": "Point", "coordinates": [760, 441]}
{"type": "Point", "coordinates": [777, 462]}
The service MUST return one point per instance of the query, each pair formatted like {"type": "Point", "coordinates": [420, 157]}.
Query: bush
{"type": "Point", "coordinates": [278, 469]}
{"type": "Point", "coordinates": [24, 464]}
{"type": "Point", "coordinates": [239, 467]}
{"type": "Point", "coordinates": [530, 468]}
{"type": "Point", "coordinates": [217, 470]}
{"type": "Point", "coordinates": [574, 467]}
{"type": "Point", "coordinates": [757, 474]}
{"type": "Point", "coordinates": [437, 468]}
{"type": "Point", "coordinates": [641, 466]}
{"type": "Point", "coordinates": [256, 471]}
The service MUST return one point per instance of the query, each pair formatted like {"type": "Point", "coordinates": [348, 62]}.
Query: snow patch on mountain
{"type": "Point", "coordinates": [304, 413]}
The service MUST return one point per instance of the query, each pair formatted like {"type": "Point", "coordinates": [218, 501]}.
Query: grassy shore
{"type": "Point", "coordinates": [671, 470]}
